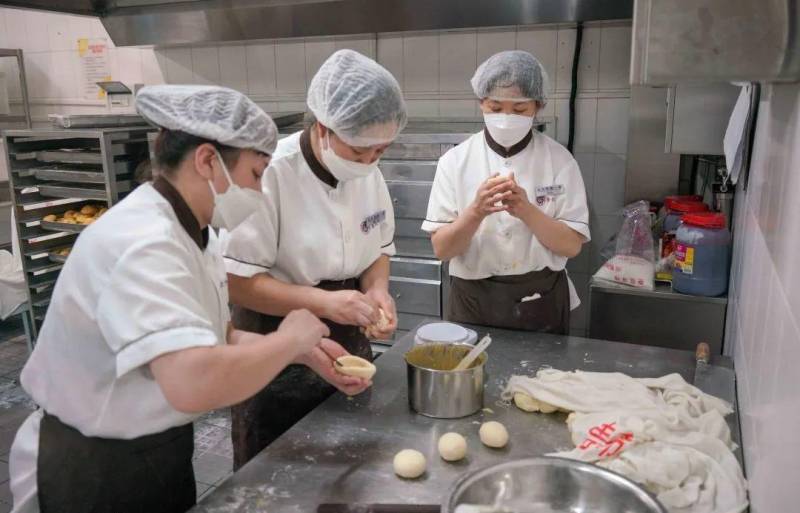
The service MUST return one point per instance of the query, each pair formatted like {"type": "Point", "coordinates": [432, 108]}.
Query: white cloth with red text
{"type": "Point", "coordinates": [663, 433]}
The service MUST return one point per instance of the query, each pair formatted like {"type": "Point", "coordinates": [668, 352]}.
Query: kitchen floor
{"type": "Point", "coordinates": [213, 454]}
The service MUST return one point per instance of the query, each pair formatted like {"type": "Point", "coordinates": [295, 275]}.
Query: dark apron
{"type": "Point", "coordinates": [258, 421]}
{"type": "Point", "coordinates": [496, 302]}
{"type": "Point", "coordinates": [81, 474]}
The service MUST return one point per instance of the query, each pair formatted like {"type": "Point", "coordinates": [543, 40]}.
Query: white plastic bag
{"type": "Point", "coordinates": [633, 263]}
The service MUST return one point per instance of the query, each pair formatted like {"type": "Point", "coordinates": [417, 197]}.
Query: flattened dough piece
{"type": "Point", "coordinates": [527, 403]}
{"type": "Point", "coordinates": [354, 366]}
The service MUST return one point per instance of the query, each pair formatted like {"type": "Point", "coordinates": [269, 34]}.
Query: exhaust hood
{"type": "Point", "coordinates": [176, 22]}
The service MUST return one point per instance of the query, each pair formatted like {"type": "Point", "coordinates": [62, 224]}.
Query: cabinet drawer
{"type": "Point", "coordinates": [410, 199]}
{"type": "Point", "coordinates": [408, 170]}
{"type": "Point", "coordinates": [414, 296]}
{"type": "Point", "coordinates": [417, 268]}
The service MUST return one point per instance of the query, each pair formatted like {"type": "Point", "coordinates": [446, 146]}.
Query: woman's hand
{"type": "Point", "coordinates": [517, 203]}
{"type": "Point", "coordinates": [491, 196]}
{"type": "Point", "coordinates": [320, 360]}
{"type": "Point", "coordinates": [350, 307]}
{"type": "Point", "coordinates": [387, 324]}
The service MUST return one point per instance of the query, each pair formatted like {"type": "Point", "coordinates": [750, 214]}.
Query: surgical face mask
{"type": "Point", "coordinates": [508, 129]}
{"type": "Point", "coordinates": [344, 169]}
{"type": "Point", "coordinates": [233, 206]}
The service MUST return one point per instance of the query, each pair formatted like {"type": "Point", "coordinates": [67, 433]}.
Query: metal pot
{"type": "Point", "coordinates": [548, 484]}
{"type": "Point", "coordinates": [446, 394]}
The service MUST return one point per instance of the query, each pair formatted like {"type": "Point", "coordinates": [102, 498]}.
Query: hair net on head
{"type": "Point", "coordinates": [358, 99]}
{"type": "Point", "coordinates": [211, 112]}
{"type": "Point", "coordinates": [511, 75]}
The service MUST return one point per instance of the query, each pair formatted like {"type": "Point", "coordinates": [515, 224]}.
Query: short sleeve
{"type": "Point", "coordinates": [442, 205]}
{"type": "Point", "coordinates": [387, 225]}
{"type": "Point", "coordinates": [571, 207]}
{"type": "Point", "coordinates": [153, 305]}
{"type": "Point", "coordinates": [252, 247]}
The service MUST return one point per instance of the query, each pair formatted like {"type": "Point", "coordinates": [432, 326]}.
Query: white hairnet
{"type": "Point", "coordinates": [358, 99]}
{"type": "Point", "coordinates": [211, 112]}
{"type": "Point", "coordinates": [511, 75]}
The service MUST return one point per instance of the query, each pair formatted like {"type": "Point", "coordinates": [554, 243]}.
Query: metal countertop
{"type": "Point", "coordinates": [342, 452]}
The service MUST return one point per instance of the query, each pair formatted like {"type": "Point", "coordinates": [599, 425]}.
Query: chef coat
{"type": "Point", "coordinates": [503, 244]}
{"type": "Point", "coordinates": [142, 281]}
{"type": "Point", "coordinates": [312, 227]}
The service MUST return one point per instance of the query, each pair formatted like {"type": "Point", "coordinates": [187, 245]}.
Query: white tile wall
{"type": "Point", "coordinates": [612, 125]}
{"type": "Point", "coordinates": [615, 58]}
{"type": "Point", "coordinates": [492, 41]}
{"type": "Point", "coordinates": [290, 66]}
{"type": "Point", "coordinates": [260, 68]}
{"type": "Point", "coordinates": [763, 328]}
{"type": "Point", "coordinates": [179, 65]}
{"type": "Point", "coordinates": [233, 67]}
{"type": "Point", "coordinates": [457, 60]}
{"type": "Point", "coordinates": [542, 43]}
{"type": "Point", "coordinates": [390, 54]}
{"type": "Point", "coordinates": [317, 51]}
{"type": "Point", "coordinates": [205, 65]}
{"type": "Point", "coordinates": [421, 63]}
{"type": "Point", "coordinates": [364, 45]}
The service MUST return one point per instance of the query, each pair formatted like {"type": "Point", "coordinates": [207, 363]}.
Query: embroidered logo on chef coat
{"type": "Point", "coordinates": [545, 193]}
{"type": "Point", "coordinates": [373, 220]}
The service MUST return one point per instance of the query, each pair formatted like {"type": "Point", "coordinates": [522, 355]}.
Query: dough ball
{"type": "Point", "coordinates": [546, 407]}
{"type": "Point", "coordinates": [50, 218]}
{"type": "Point", "coordinates": [89, 210]}
{"type": "Point", "coordinates": [452, 447]}
{"type": "Point", "coordinates": [354, 366]}
{"type": "Point", "coordinates": [69, 213]}
{"type": "Point", "coordinates": [525, 402]}
{"type": "Point", "coordinates": [493, 434]}
{"type": "Point", "coordinates": [409, 464]}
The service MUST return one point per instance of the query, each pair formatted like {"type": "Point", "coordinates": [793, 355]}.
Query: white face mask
{"type": "Point", "coordinates": [235, 205]}
{"type": "Point", "coordinates": [344, 169]}
{"type": "Point", "coordinates": [508, 129]}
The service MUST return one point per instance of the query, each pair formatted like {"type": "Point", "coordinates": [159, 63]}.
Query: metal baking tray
{"type": "Point", "coordinates": [64, 190]}
{"type": "Point", "coordinates": [63, 227]}
{"type": "Point", "coordinates": [70, 175]}
{"type": "Point", "coordinates": [70, 156]}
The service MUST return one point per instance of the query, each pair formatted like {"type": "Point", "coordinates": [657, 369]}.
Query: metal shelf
{"type": "Point", "coordinates": [57, 258]}
{"type": "Point", "coordinates": [70, 156]}
{"type": "Point", "coordinates": [64, 190]}
{"type": "Point", "coordinates": [63, 227]}
{"type": "Point", "coordinates": [70, 175]}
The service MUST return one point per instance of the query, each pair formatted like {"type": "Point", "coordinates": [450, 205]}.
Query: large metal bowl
{"type": "Point", "coordinates": [549, 485]}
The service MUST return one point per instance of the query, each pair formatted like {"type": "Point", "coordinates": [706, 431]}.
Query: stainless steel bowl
{"type": "Point", "coordinates": [549, 485]}
{"type": "Point", "coordinates": [446, 394]}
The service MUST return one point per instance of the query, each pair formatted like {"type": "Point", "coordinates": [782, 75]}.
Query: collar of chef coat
{"type": "Point", "coordinates": [510, 152]}
{"type": "Point", "coordinates": [316, 166]}
{"type": "Point", "coordinates": [185, 215]}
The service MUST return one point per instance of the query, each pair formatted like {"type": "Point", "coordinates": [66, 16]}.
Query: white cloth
{"type": "Point", "coordinates": [309, 231]}
{"type": "Point", "coordinates": [136, 286]}
{"type": "Point", "coordinates": [503, 245]}
{"type": "Point", "coordinates": [736, 133]}
{"type": "Point", "coordinates": [12, 277]}
{"type": "Point", "coordinates": [661, 432]}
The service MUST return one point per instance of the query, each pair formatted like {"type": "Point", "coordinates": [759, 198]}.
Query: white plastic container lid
{"type": "Point", "coordinates": [445, 333]}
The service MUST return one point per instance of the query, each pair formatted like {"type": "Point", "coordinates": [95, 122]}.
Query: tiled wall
{"type": "Point", "coordinates": [763, 332]}
{"type": "Point", "coordinates": [433, 69]}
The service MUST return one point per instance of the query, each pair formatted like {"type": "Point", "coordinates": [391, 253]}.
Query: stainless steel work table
{"type": "Point", "coordinates": [342, 452]}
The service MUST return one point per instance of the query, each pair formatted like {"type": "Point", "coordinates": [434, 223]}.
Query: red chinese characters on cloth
{"type": "Point", "coordinates": [606, 440]}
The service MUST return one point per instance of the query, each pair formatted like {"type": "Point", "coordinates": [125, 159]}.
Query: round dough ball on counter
{"type": "Point", "coordinates": [493, 434]}
{"type": "Point", "coordinates": [452, 447]}
{"type": "Point", "coordinates": [355, 366]}
{"type": "Point", "coordinates": [409, 464]}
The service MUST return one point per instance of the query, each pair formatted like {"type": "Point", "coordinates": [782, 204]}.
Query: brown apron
{"type": "Point", "coordinates": [296, 391]}
{"type": "Point", "coordinates": [497, 301]}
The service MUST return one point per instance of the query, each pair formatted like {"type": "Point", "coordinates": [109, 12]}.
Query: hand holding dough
{"type": "Point", "coordinates": [452, 447]}
{"type": "Point", "coordinates": [382, 325]}
{"type": "Point", "coordinates": [409, 464]}
{"type": "Point", "coordinates": [354, 366]}
{"type": "Point", "coordinates": [493, 434]}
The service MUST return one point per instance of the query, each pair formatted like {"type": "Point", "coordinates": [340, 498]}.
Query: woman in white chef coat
{"type": "Point", "coordinates": [325, 241]}
{"type": "Point", "coordinates": [137, 341]}
{"type": "Point", "coordinates": [508, 208]}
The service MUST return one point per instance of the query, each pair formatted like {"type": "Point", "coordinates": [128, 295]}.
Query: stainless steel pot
{"type": "Point", "coordinates": [548, 485]}
{"type": "Point", "coordinates": [446, 394]}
